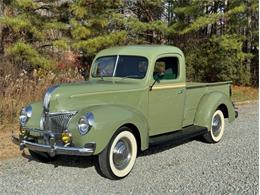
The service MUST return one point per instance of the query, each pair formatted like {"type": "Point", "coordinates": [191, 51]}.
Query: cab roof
{"type": "Point", "coordinates": [148, 51]}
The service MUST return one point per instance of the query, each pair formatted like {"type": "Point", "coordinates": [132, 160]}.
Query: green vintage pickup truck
{"type": "Point", "coordinates": [136, 96]}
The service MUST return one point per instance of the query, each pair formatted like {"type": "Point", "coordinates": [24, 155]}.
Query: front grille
{"type": "Point", "coordinates": [57, 122]}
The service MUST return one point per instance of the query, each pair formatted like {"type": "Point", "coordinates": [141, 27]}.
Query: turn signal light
{"type": "Point", "coordinates": [66, 137]}
{"type": "Point", "coordinates": [22, 132]}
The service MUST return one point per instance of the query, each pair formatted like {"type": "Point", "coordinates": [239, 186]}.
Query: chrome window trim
{"type": "Point", "coordinates": [117, 57]}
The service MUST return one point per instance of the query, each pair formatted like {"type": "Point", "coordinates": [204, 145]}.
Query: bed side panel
{"type": "Point", "coordinates": [192, 100]}
{"type": "Point", "coordinates": [194, 92]}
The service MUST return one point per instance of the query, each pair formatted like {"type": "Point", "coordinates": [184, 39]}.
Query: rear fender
{"type": "Point", "coordinates": [209, 104]}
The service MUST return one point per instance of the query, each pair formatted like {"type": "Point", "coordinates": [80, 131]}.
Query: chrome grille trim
{"type": "Point", "coordinates": [56, 122]}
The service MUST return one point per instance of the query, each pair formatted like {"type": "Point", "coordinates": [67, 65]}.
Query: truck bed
{"type": "Point", "coordinates": [195, 91]}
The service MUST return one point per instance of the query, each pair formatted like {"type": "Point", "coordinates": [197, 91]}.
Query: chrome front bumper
{"type": "Point", "coordinates": [52, 149]}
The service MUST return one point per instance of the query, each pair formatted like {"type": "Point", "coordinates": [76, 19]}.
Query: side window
{"type": "Point", "coordinates": [167, 67]}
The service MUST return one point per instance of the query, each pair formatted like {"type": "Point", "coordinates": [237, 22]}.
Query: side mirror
{"type": "Point", "coordinates": [84, 73]}
{"type": "Point", "coordinates": [160, 76]}
{"type": "Point", "coordinates": [157, 79]}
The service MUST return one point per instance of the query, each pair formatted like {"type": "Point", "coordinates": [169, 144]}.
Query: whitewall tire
{"type": "Point", "coordinates": [118, 158]}
{"type": "Point", "coordinates": [217, 127]}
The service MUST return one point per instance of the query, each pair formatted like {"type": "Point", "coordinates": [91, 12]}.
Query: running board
{"type": "Point", "coordinates": [182, 134]}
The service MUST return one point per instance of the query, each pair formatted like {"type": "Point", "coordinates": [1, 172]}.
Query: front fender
{"type": "Point", "coordinates": [34, 121]}
{"type": "Point", "coordinates": [208, 105]}
{"type": "Point", "coordinates": [108, 118]}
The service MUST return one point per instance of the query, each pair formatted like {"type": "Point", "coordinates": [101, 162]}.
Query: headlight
{"type": "Point", "coordinates": [47, 97]}
{"type": "Point", "coordinates": [25, 114]}
{"type": "Point", "coordinates": [85, 123]}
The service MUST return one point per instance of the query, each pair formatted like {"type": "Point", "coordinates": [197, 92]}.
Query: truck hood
{"type": "Point", "coordinates": [75, 96]}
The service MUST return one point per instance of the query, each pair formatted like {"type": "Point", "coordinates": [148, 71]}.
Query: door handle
{"type": "Point", "coordinates": [180, 91]}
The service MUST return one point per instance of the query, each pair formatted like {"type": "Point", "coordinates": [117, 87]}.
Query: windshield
{"type": "Point", "coordinates": [120, 66]}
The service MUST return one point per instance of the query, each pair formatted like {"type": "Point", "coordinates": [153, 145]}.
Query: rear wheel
{"type": "Point", "coordinates": [217, 128]}
{"type": "Point", "coordinates": [118, 158]}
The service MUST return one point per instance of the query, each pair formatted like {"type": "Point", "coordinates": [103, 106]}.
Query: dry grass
{"type": "Point", "coordinates": [241, 94]}
{"type": "Point", "coordinates": [18, 92]}
{"type": "Point", "coordinates": [17, 89]}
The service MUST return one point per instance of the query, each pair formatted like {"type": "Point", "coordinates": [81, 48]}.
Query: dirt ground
{"type": "Point", "coordinates": [7, 148]}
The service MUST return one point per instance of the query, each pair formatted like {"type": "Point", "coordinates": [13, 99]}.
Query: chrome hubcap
{"type": "Point", "coordinates": [122, 153]}
{"type": "Point", "coordinates": [216, 125]}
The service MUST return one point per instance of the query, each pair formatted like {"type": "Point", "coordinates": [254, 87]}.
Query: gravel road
{"type": "Point", "coordinates": [193, 167]}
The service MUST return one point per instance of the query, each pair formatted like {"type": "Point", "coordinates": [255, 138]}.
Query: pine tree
{"type": "Point", "coordinates": [218, 37]}
{"type": "Point", "coordinates": [93, 25]}
{"type": "Point", "coordinates": [35, 30]}
{"type": "Point", "coordinates": [210, 33]}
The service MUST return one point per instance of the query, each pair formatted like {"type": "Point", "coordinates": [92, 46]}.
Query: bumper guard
{"type": "Point", "coordinates": [52, 149]}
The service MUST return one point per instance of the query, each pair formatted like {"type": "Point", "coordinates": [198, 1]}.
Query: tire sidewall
{"type": "Point", "coordinates": [126, 133]}
{"type": "Point", "coordinates": [218, 138]}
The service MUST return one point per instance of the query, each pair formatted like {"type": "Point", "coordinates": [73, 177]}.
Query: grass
{"type": "Point", "coordinates": [243, 94]}
{"type": "Point", "coordinates": [24, 89]}
{"type": "Point", "coordinates": [17, 90]}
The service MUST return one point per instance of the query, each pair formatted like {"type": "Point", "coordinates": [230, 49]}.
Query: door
{"type": "Point", "coordinates": [166, 98]}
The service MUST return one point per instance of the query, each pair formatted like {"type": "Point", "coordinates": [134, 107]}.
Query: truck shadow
{"type": "Point", "coordinates": [67, 161]}
{"type": "Point", "coordinates": [154, 149]}
{"type": "Point", "coordinates": [90, 161]}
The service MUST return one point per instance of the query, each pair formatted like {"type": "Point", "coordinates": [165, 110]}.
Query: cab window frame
{"type": "Point", "coordinates": [115, 66]}
{"type": "Point", "coordinates": [167, 56]}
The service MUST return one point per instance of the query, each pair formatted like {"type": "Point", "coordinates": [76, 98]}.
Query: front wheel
{"type": "Point", "coordinates": [118, 158]}
{"type": "Point", "coordinates": [217, 128]}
